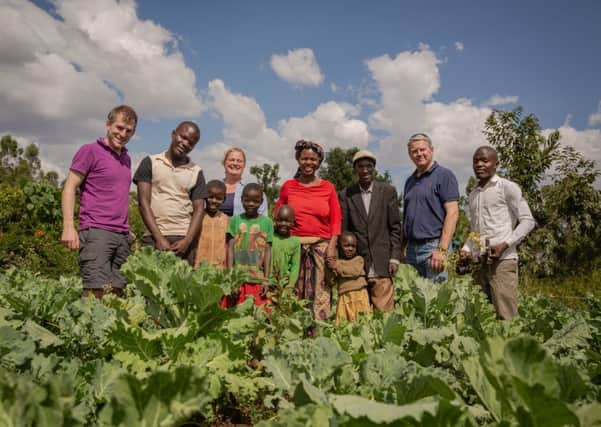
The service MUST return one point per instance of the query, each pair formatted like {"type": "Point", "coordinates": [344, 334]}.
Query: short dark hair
{"type": "Point", "coordinates": [126, 110]}
{"type": "Point", "coordinates": [253, 186]}
{"type": "Point", "coordinates": [488, 149]}
{"type": "Point", "coordinates": [190, 124]}
{"type": "Point", "coordinates": [347, 234]}
{"type": "Point", "coordinates": [216, 184]}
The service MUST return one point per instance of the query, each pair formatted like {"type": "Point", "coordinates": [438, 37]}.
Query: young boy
{"type": "Point", "coordinates": [353, 297]}
{"type": "Point", "coordinates": [286, 249]}
{"type": "Point", "coordinates": [249, 247]}
{"type": "Point", "coordinates": [211, 242]}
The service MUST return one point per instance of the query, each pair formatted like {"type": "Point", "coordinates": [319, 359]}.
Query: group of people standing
{"type": "Point", "coordinates": [317, 239]}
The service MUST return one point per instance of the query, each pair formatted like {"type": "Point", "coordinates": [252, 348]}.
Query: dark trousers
{"type": "Point", "coordinates": [189, 255]}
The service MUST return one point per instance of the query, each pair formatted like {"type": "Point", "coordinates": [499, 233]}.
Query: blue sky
{"type": "Point", "coordinates": [372, 73]}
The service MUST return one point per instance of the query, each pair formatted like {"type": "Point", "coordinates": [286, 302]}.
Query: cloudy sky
{"type": "Point", "coordinates": [263, 74]}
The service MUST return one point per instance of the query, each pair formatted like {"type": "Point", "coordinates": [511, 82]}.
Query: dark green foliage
{"type": "Point", "coordinates": [338, 168]}
{"type": "Point", "coordinates": [558, 183]}
{"type": "Point", "coordinates": [167, 355]}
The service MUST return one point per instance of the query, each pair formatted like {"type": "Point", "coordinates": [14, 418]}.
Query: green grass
{"type": "Point", "coordinates": [570, 290]}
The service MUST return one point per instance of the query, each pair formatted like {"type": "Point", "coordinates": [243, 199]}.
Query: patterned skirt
{"type": "Point", "coordinates": [312, 284]}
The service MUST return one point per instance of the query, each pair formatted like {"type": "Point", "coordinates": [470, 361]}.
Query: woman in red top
{"type": "Point", "coordinates": [318, 222]}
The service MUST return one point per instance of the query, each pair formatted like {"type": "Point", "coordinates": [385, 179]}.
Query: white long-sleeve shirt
{"type": "Point", "coordinates": [498, 212]}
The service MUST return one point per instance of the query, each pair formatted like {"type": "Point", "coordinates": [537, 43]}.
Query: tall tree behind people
{"type": "Point", "coordinates": [525, 153]}
{"type": "Point", "coordinates": [567, 210]}
{"type": "Point", "coordinates": [338, 168]}
{"type": "Point", "coordinates": [268, 176]}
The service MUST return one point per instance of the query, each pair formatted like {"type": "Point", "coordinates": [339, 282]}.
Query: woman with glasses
{"type": "Point", "coordinates": [318, 223]}
{"type": "Point", "coordinates": [234, 162]}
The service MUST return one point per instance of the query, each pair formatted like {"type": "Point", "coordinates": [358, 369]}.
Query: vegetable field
{"type": "Point", "coordinates": [167, 355]}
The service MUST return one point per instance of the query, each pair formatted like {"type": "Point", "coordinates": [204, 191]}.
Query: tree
{"type": "Point", "coordinates": [558, 183]}
{"type": "Point", "coordinates": [21, 165]}
{"type": "Point", "coordinates": [268, 176]}
{"type": "Point", "coordinates": [30, 213]}
{"type": "Point", "coordinates": [525, 154]}
{"type": "Point", "coordinates": [338, 168]}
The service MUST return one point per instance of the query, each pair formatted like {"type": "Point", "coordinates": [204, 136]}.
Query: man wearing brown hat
{"type": "Point", "coordinates": [370, 209]}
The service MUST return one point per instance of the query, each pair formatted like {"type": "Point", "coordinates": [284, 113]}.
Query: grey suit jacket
{"type": "Point", "coordinates": [379, 233]}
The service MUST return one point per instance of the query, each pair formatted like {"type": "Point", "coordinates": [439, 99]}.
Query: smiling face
{"type": "Point", "coordinates": [348, 246]}
{"type": "Point", "coordinates": [485, 164]}
{"type": "Point", "coordinates": [214, 200]}
{"type": "Point", "coordinates": [119, 132]}
{"type": "Point", "coordinates": [421, 154]}
{"type": "Point", "coordinates": [251, 200]}
{"type": "Point", "coordinates": [183, 140]}
{"type": "Point", "coordinates": [234, 163]}
{"type": "Point", "coordinates": [284, 221]}
{"type": "Point", "coordinates": [308, 162]}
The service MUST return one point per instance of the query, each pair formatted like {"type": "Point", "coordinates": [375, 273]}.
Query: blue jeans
{"type": "Point", "coordinates": [418, 255]}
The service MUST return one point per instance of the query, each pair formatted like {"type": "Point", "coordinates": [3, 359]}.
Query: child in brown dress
{"type": "Point", "coordinates": [349, 271]}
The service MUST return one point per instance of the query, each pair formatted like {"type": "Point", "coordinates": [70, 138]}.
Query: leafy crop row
{"type": "Point", "coordinates": [167, 355]}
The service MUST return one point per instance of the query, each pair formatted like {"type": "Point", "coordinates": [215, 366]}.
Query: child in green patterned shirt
{"type": "Point", "coordinates": [286, 249]}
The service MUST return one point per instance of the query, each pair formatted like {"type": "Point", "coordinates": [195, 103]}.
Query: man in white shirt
{"type": "Point", "coordinates": [500, 215]}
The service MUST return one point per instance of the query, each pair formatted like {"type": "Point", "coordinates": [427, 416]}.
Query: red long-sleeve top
{"type": "Point", "coordinates": [316, 208]}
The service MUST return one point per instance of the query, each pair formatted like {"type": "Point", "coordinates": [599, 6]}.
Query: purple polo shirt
{"type": "Point", "coordinates": [423, 202]}
{"type": "Point", "coordinates": [104, 193]}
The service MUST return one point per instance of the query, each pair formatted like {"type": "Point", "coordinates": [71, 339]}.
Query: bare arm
{"type": "Point", "coordinates": [437, 257]}
{"type": "Point", "coordinates": [144, 197]}
{"type": "Point", "coordinates": [69, 237]}
{"type": "Point", "coordinates": [331, 251]}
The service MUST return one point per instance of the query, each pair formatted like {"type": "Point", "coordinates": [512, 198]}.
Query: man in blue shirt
{"type": "Point", "coordinates": [430, 210]}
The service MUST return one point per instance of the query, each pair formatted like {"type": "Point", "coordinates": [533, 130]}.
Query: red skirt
{"type": "Point", "coordinates": [252, 289]}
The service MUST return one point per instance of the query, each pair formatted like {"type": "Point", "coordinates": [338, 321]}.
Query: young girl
{"type": "Point", "coordinates": [249, 248]}
{"type": "Point", "coordinates": [286, 249]}
{"type": "Point", "coordinates": [211, 243]}
{"type": "Point", "coordinates": [353, 297]}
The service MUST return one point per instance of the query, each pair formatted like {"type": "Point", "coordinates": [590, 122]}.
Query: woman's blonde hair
{"type": "Point", "coordinates": [232, 150]}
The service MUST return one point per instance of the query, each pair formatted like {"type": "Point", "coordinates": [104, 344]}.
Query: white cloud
{"type": "Point", "coordinates": [298, 67]}
{"type": "Point", "coordinates": [331, 124]}
{"type": "Point", "coordinates": [496, 100]}
{"type": "Point", "coordinates": [404, 83]}
{"type": "Point", "coordinates": [407, 84]}
{"type": "Point", "coordinates": [61, 75]}
{"type": "Point", "coordinates": [587, 141]}
{"type": "Point", "coordinates": [595, 118]}
{"type": "Point", "coordinates": [459, 46]}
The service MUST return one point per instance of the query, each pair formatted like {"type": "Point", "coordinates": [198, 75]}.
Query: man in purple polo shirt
{"type": "Point", "coordinates": [430, 210]}
{"type": "Point", "coordinates": [102, 172]}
